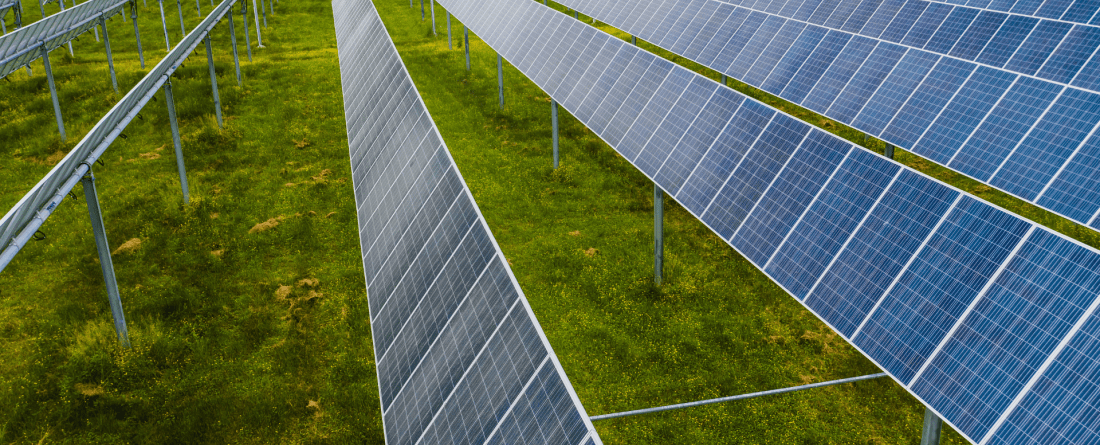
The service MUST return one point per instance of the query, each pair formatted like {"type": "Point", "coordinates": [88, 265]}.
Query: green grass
{"type": "Point", "coordinates": [220, 356]}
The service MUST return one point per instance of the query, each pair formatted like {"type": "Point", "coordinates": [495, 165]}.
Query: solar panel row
{"type": "Point", "coordinates": [1076, 11]}
{"type": "Point", "coordinates": [24, 45]}
{"type": "Point", "coordinates": [19, 223]}
{"type": "Point", "coordinates": [460, 357]}
{"type": "Point", "coordinates": [983, 315]}
{"type": "Point", "coordinates": [986, 97]}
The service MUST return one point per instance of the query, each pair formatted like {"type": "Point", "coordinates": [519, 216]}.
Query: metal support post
{"type": "Point", "coordinates": [170, 101]}
{"type": "Point", "coordinates": [3, 26]}
{"type": "Point", "coordinates": [658, 233]}
{"type": "Point", "coordinates": [271, 7]}
{"type": "Point", "coordinates": [449, 30]}
{"type": "Point", "coordinates": [466, 35]}
{"type": "Point", "coordinates": [41, 8]}
{"type": "Point", "coordinates": [137, 35]}
{"type": "Point", "coordinates": [433, 17]}
{"type": "Point", "coordinates": [244, 18]}
{"type": "Point", "coordinates": [214, 82]}
{"type": "Point", "coordinates": [95, 32]}
{"type": "Point", "coordinates": [164, 24]}
{"type": "Point", "coordinates": [889, 152]}
{"type": "Point", "coordinates": [198, 8]}
{"type": "Point", "coordinates": [105, 263]}
{"type": "Point", "coordinates": [70, 42]}
{"type": "Point", "coordinates": [256, 15]}
{"type": "Point", "coordinates": [932, 426]}
{"type": "Point", "coordinates": [263, 12]}
{"type": "Point", "coordinates": [233, 40]}
{"type": "Point", "coordinates": [53, 91]}
{"type": "Point", "coordinates": [421, 10]}
{"type": "Point", "coordinates": [554, 124]}
{"type": "Point", "coordinates": [110, 58]}
{"type": "Point", "coordinates": [576, 15]}
{"type": "Point", "coordinates": [633, 40]}
{"type": "Point", "coordinates": [725, 81]}
{"type": "Point", "coordinates": [183, 30]}
{"type": "Point", "coordinates": [500, 79]}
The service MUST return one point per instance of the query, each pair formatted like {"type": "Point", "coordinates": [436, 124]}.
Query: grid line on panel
{"type": "Point", "coordinates": [1065, 164]}
{"type": "Point", "coordinates": [515, 400]}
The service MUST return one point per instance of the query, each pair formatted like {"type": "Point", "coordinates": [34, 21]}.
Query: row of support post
{"type": "Point", "coordinates": [17, 13]}
{"type": "Point", "coordinates": [91, 196]}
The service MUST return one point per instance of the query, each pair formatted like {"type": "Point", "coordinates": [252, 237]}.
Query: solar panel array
{"type": "Point", "coordinates": [983, 315]}
{"type": "Point", "coordinates": [1008, 100]}
{"type": "Point", "coordinates": [24, 45]}
{"type": "Point", "coordinates": [460, 357]}
{"type": "Point", "coordinates": [19, 223]}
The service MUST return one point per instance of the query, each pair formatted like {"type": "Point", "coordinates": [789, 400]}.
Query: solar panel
{"type": "Point", "coordinates": [949, 294]}
{"type": "Point", "coordinates": [975, 90]}
{"type": "Point", "coordinates": [22, 46]}
{"type": "Point", "coordinates": [460, 356]}
{"type": "Point", "coordinates": [1073, 11]}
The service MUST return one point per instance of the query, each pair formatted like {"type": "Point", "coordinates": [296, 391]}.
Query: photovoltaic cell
{"type": "Point", "coordinates": [952, 128]}
{"type": "Point", "coordinates": [458, 353]}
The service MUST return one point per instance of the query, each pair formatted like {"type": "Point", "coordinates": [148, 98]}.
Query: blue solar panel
{"type": "Point", "coordinates": [1007, 40]}
{"type": "Point", "coordinates": [814, 66]}
{"type": "Point", "coordinates": [991, 144]}
{"type": "Point", "coordinates": [903, 21]}
{"type": "Point", "coordinates": [834, 215]}
{"type": "Point", "coordinates": [724, 156]}
{"type": "Point", "coordinates": [927, 25]}
{"type": "Point", "coordinates": [656, 108]}
{"type": "Point", "coordinates": [1011, 331]}
{"type": "Point", "coordinates": [933, 292]}
{"type": "Point", "coordinates": [707, 31]}
{"type": "Point", "coordinates": [895, 90]}
{"type": "Point", "coordinates": [928, 101]}
{"type": "Point", "coordinates": [839, 73]}
{"type": "Point", "coordinates": [698, 139]}
{"type": "Point", "coordinates": [674, 126]}
{"type": "Point", "coordinates": [954, 126]}
{"type": "Point", "coordinates": [867, 79]}
{"type": "Point", "coordinates": [751, 177]}
{"type": "Point", "coordinates": [788, 196]}
{"type": "Point", "coordinates": [1076, 190]}
{"type": "Point", "coordinates": [1063, 406]}
{"type": "Point", "coordinates": [951, 30]}
{"type": "Point", "coordinates": [458, 353]}
{"type": "Point", "coordinates": [783, 42]}
{"type": "Point", "coordinates": [1035, 161]}
{"type": "Point", "coordinates": [905, 215]}
{"type": "Point", "coordinates": [1038, 47]}
{"type": "Point", "coordinates": [1071, 55]}
{"type": "Point", "coordinates": [977, 36]}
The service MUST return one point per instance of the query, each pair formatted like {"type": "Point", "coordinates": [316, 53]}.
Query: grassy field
{"type": "Point", "coordinates": [247, 307]}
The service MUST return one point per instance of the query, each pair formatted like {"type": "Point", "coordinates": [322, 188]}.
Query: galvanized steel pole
{"type": "Point", "coordinates": [171, 103]}
{"type": "Point", "coordinates": [421, 10]}
{"type": "Point", "coordinates": [433, 17]}
{"type": "Point", "coordinates": [739, 397]}
{"type": "Point", "coordinates": [198, 9]}
{"type": "Point", "coordinates": [724, 80]}
{"type": "Point", "coordinates": [466, 35]}
{"type": "Point", "coordinates": [53, 91]}
{"type": "Point", "coordinates": [554, 124]}
{"type": "Point", "coordinates": [183, 30]}
{"type": "Point", "coordinates": [233, 40]}
{"type": "Point", "coordinates": [110, 58]}
{"type": "Point", "coordinates": [889, 151]}
{"type": "Point", "coordinates": [256, 15]}
{"type": "Point", "coordinates": [244, 18]}
{"type": "Point", "coordinates": [70, 42]}
{"type": "Point", "coordinates": [214, 82]}
{"type": "Point", "coordinates": [263, 12]}
{"type": "Point", "coordinates": [930, 435]}
{"type": "Point", "coordinates": [137, 34]}
{"type": "Point", "coordinates": [164, 24]}
{"type": "Point", "coordinates": [105, 263]}
{"type": "Point", "coordinates": [500, 79]}
{"type": "Point", "coordinates": [658, 233]}
{"type": "Point", "coordinates": [449, 30]}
